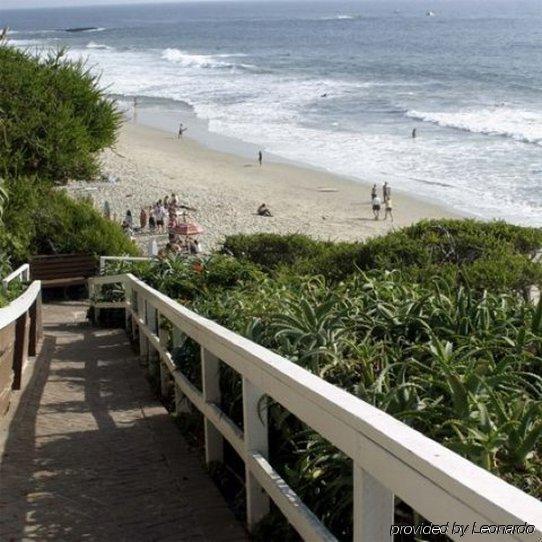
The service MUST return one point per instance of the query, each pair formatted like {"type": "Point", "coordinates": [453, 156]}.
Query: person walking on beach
{"type": "Point", "coordinates": [414, 133]}
{"type": "Point", "coordinates": [182, 129]}
{"type": "Point", "coordinates": [376, 207]}
{"type": "Point", "coordinates": [260, 158]}
{"type": "Point", "coordinates": [388, 209]}
{"type": "Point", "coordinates": [373, 192]}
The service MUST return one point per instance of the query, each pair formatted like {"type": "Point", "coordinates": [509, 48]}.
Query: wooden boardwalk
{"type": "Point", "coordinates": [87, 453]}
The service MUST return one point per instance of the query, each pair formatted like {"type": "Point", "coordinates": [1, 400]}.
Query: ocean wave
{"type": "Point", "coordinates": [341, 17]}
{"type": "Point", "coordinates": [191, 60]}
{"type": "Point", "coordinates": [85, 30]}
{"type": "Point", "coordinates": [524, 126]}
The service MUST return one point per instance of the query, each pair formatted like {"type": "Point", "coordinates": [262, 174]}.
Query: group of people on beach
{"type": "Point", "coordinates": [161, 218]}
{"type": "Point", "coordinates": [377, 204]}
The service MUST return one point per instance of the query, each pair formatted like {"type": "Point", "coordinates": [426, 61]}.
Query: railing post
{"type": "Point", "coordinates": [143, 341]}
{"type": "Point", "coordinates": [164, 372]}
{"type": "Point", "coordinates": [35, 325]}
{"type": "Point", "coordinates": [127, 300]}
{"type": "Point", "coordinates": [210, 382]}
{"type": "Point", "coordinates": [181, 404]}
{"type": "Point", "coordinates": [21, 349]}
{"type": "Point", "coordinates": [373, 508]}
{"type": "Point", "coordinates": [92, 295]}
{"type": "Point", "coordinates": [256, 440]}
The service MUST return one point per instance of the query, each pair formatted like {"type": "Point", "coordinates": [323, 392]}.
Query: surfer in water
{"type": "Point", "coordinates": [182, 129]}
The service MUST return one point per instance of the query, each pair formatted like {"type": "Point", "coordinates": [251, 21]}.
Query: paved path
{"type": "Point", "coordinates": [88, 454]}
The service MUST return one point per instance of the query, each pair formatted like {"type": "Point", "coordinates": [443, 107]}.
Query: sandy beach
{"type": "Point", "coordinates": [227, 189]}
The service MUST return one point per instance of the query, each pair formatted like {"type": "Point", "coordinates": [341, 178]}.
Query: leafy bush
{"type": "Point", "coordinates": [53, 117]}
{"type": "Point", "coordinates": [41, 220]}
{"type": "Point", "coordinates": [483, 255]}
{"type": "Point", "coordinates": [270, 250]}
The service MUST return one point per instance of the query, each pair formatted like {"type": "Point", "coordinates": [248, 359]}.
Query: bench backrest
{"type": "Point", "coordinates": [62, 266]}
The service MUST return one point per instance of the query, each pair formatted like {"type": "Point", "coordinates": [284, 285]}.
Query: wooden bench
{"type": "Point", "coordinates": [63, 270]}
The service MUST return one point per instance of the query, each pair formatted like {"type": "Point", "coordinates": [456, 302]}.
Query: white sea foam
{"type": "Point", "coordinates": [341, 17]}
{"type": "Point", "coordinates": [94, 45]}
{"type": "Point", "coordinates": [525, 126]}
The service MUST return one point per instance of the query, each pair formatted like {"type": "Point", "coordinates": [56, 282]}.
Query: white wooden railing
{"type": "Point", "coordinates": [20, 331]}
{"type": "Point", "coordinates": [389, 458]}
{"type": "Point", "coordinates": [22, 274]}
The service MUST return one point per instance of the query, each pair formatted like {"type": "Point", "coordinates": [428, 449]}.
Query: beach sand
{"type": "Point", "coordinates": [227, 189]}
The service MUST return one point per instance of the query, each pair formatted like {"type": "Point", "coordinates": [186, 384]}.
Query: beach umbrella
{"type": "Point", "coordinates": [188, 229]}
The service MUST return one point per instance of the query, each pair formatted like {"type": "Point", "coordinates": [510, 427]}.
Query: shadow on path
{"type": "Point", "coordinates": [91, 455]}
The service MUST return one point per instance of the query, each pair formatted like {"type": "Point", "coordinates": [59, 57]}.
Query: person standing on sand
{"type": "Point", "coordinates": [107, 210]}
{"type": "Point", "coordinates": [143, 218]}
{"type": "Point", "coordinates": [260, 158]}
{"type": "Point", "coordinates": [388, 210]}
{"type": "Point", "coordinates": [182, 129]}
{"type": "Point", "coordinates": [373, 192]}
{"type": "Point", "coordinates": [152, 220]}
{"type": "Point", "coordinates": [414, 133]}
{"type": "Point", "coordinates": [160, 217]}
{"type": "Point", "coordinates": [376, 207]}
{"type": "Point", "coordinates": [386, 191]}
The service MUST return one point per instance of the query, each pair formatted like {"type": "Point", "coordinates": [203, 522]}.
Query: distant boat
{"type": "Point", "coordinates": [430, 13]}
{"type": "Point", "coordinates": [81, 29]}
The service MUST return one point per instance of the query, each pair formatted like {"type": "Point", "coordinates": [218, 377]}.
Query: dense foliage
{"type": "Point", "coordinates": [53, 117]}
{"type": "Point", "coordinates": [41, 219]}
{"type": "Point", "coordinates": [53, 120]}
{"type": "Point", "coordinates": [14, 290]}
{"type": "Point", "coordinates": [459, 363]}
{"type": "Point", "coordinates": [495, 255]}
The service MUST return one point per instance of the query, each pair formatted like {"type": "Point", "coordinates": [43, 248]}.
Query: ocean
{"type": "Point", "coordinates": [339, 85]}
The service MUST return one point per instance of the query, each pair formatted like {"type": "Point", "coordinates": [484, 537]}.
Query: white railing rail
{"type": "Point", "coordinates": [389, 458]}
{"type": "Point", "coordinates": [22, 274]}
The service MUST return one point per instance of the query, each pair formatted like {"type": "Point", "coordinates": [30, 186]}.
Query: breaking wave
{"type": "Point", "coordinates": [524, 126]}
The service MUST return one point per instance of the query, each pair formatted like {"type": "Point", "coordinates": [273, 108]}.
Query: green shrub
{"type": "Point", "coordinates": [270, 250]}
{"type": "Point", "coordinates": [41, 220]}
{"type": "Point", "coordinates": [53, 117]}
{"type": "Point", "coordinates": [484, 255]}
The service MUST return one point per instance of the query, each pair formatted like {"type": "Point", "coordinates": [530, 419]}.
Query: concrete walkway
{"type": "Point", "coordinates": [87, 453]}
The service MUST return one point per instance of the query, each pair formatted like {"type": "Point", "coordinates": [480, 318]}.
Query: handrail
{"type": "Point", "coordinates": [20, 331]}
{"type": "Point", "coordinates": [22, 273]}
{"type": "Point", "coordinates": [21, 305]}
{"type": "Point", "coordinates": [389, 457]}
